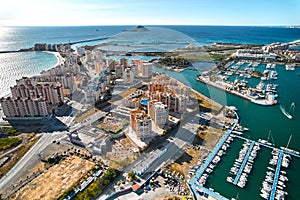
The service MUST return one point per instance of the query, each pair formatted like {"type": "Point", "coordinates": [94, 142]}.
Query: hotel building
{"type": "Point", "coordinates": [27, 88]}
{"type": "Point", "coordinates": [25, 107]}
{"type": "Point", "coordinates": [141, 123]}
{"type": "Point", "coordinates": [158, 112]}
{"type": "Point", "coordinates": [146, 70]}
{"type": "Point", "coordinates": [128, 76]}
{"type": "Point", "coordinates": [167, 91]}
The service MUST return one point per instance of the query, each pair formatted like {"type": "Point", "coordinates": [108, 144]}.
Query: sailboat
{"type": "Point", "coordinates": [267, 141]}
{"type": "Point", "coordinates": [285, 113]}
{"type": "Point", "coordinates": [236, 198]}
{"type": "Point", "coordinates": [287, 149]}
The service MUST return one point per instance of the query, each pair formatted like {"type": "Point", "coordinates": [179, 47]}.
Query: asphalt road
{"type": "Point", "coordinates": [41, 144]}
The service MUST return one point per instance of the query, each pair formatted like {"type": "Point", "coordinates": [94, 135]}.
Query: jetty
{"type": "Point", "coordinates": [243, 164]}
{"type": "Point", "coordinates": [268, 146]}
{"type": "Point", "coordinates": [276, 176]}
{"type": "Point", "coordinates": [70, 43]}
{"type": "Point", "coordinates": [90, 40]}
{"type": "Point", "coordinates": [196, 187]}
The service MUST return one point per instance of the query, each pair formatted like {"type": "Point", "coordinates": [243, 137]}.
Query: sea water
{"type": "Point", "coordinates": [260, 120]}
{"type": "Point", "coordinates": [22, 64]}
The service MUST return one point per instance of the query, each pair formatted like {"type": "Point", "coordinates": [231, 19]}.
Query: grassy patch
{"type": "Point", "coordinates": [6, 143]}
{"type": "Point", "coordinates": [217, 57]}
{"type": "Point", "coordinates": [194, 57]}
{"type": "Point", "coordinates": [95, 188]}
{"type": "Point", "coordinates": [11, 131]}
{"type": "Point", "coordinates": [20, 153]}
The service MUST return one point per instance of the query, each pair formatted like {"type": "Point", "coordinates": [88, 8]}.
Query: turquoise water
{"type": "Point", "coordinates": [130, 58]}
{"type": "Point", "coordinates": [16, 65]}
{"type": "Point", "coordinates": [260, 120]}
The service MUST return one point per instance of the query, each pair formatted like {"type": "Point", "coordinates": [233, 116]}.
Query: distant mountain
{"type": "Point", "coordinates": [293, 26]}
{"type": "Point", "coordinates": [138, 29]}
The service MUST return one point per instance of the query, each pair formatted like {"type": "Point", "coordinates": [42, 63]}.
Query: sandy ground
{"type": "Point", "coordinates": [52, 183]}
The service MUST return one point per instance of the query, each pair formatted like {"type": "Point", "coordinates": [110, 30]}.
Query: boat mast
{"type": "Point", "coordinates": [269, 135]}
{"type": "Point", "coordinates": [288, 142]}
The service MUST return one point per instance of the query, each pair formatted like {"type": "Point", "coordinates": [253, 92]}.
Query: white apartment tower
{"type": "Point", "coordinates": [128, 75]}
{"type": "Point", "coordinates": [158, 112]}
{"type": "Point", "coordinates": [146, 70]}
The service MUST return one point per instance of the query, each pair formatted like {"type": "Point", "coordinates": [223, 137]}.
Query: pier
{"type": "Point", "coordinates": [276, 176]}
{"type": "Point", "coordinates": [243, 164]}
{"type": "Point", "coordinates": [209, 192]}
{"type": "Point", "coordinates": [194, 181]}
{"type": "Point", "coordinates": [212, 155]}
{"type": "Point", "coordinates": [268, 146]}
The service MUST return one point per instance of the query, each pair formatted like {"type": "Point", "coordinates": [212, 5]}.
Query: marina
{"type": "Point", "coordinates": [263, 93]}
{"type": "Point", "coordinates": [258, 119]}
{"type": "Point", "coordinates": [273, 186]}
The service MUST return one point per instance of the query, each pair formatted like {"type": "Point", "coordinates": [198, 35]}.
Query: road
{"type": "Point", "coordinates": [41, 144]}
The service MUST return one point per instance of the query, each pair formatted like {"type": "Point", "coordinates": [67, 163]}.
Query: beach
{"type": "Point", "coordinates": [60, 59]}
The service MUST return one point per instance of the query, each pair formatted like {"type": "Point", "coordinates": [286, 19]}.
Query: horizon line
{"type": "Point", "coordinates": [249, 25]}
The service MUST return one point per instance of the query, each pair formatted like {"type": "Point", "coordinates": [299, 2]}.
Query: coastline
{"type": "Point", "coordinates": [60, 61]}
{"type": "Point", "coordinates": [211, 101]}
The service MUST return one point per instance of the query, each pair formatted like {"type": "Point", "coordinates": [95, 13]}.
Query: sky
{"type": "Point", "coordinates": [149, 12]}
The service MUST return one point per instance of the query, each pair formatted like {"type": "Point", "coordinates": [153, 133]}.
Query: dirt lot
{"type": "Point", "coordinates": [127, 92]}
{"type": "Point", "coordinates": [86, 114]}
{"type": "Point", "coordinates": [189, 159]}
{"type": "Point", "coordinates": [53, 182]}
{"type": "Point", "coordinates": [211, 136]}
{"type": "Point", "coordinates": [206, 102]}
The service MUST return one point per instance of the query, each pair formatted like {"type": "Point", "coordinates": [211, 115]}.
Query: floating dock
{"type": "Point", "coordinates": [243, 164]}
{"type": "Point", "coordinates": [194, 181]}
{"type": "Point", "coordinates": [268, 146]}
{"type": "Point", "coordinates": [211, 155]}
{"type": "Point", "coordinates": [276, 176]}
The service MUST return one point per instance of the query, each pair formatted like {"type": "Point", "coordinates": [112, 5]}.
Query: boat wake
{"type": "Point", "coordinates": [285, 112]}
